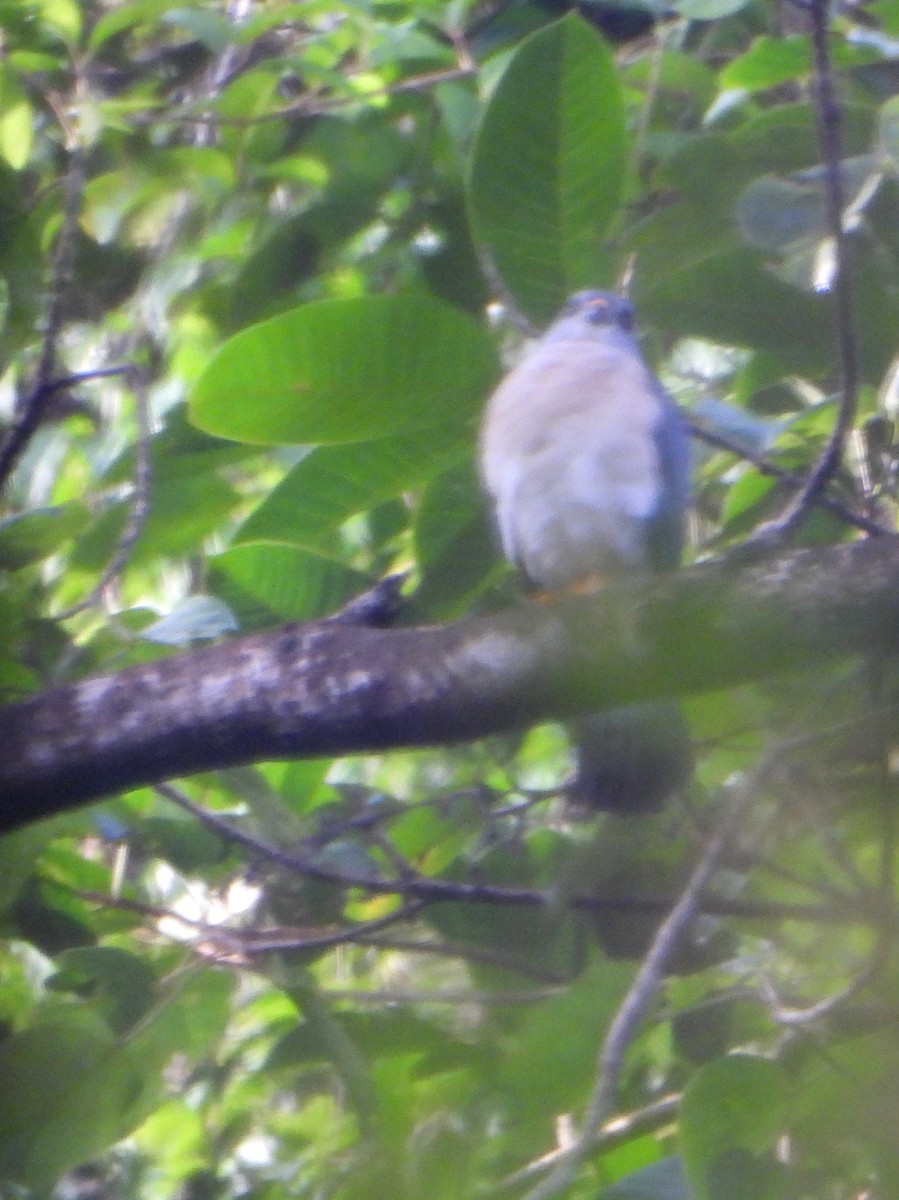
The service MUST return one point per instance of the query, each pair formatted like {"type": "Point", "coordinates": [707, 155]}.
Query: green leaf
{"type": "Point", "coordinates": [126, 16]}
{"type": "Point", "coordinates": [733, 1111]}
{"type": "Point", "coordinates": [64, 17]}
{"type": "Point", "coordinates": [31, 536]}
{"type": "Point", "coordinates": [378, 1034]}
{"type": "Point", "coordinates": [772, 61]}
{"type": "Point", "coordinates": [195, 618]}
{"type": "Point", "coordinates": [346, 371]}
{"type": "Point", "coordinates": [182, 511]}
{"type": "Point", "coordinates": [183, 842]}
{"type": "Point", "coordinates": [123, 983]}
{"type": "Point", "coordinates": [663, 1180]}
{"type": "Point", "coordinates": [16, 121]}
{"type": "Point", "coordinates": [741, 1175]}
{"type": "Point", "coordinates": [743, 497]}
{"type": "Point", "coordinates": [738, 424]}
{"type": "Point", "coordinates": [708, 10]}
{"type": "Point", "coordinates": [50, 917]}
{"type": "Point", "coordinates": [845, 1102]}
{"type": "Point", "coordinates": [289, 582]}
{"type": "Point", "coordinates": [333, 482]}
{"type": "Point", "coordinates": [768, 62]}
{"type": "Point", "coordinates": [548, 166]}
{"type": "Point", "coordinates": [731, 298]}
{"type": "Point", "coordinates": [47, 1074]}
{"type": "Point", "coordinates": [213, 29]}
{"type": "Point", "coordinates": [565, 1065]}
{"type": "Point", "coordinates": [190, 1021]}
{"type": "Point", "coordinates": [453, 540]}
{"type": "Point", "coordinates": [775, 213]}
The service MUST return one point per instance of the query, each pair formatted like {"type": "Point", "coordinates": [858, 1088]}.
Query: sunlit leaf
{"type": "Point", "coordinates": [547, 170]}
{"type": "Point", "coordinates": [346, 371]}
{"type": "Point", "coordinates": [16, 120]}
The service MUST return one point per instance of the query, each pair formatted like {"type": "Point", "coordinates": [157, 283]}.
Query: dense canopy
{"type": "Point", "coordinates": [294, 898]}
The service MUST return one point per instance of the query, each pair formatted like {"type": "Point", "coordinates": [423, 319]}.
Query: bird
{"type": "Point", "coordinates": [585, 460]}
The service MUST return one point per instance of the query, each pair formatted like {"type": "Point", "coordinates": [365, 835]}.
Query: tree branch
{"type": "Point", "coordinates": [828, 116]}
{"type": "Point", "coordinates": [330, 688]}
{"type": "Point", "coordinates": [791, 479]}
{"type": "Point", "coordinates": [841, 908]}
{"type": "Point", "coordinates": [633, 1007]}
{"type": "Point", "coordinates": [31, 410]}
{"type": "Point", "coordinates": [138, 506]}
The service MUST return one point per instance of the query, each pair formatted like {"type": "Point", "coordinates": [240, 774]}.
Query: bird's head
{"type": "Point", "coordinates": [590, 313]}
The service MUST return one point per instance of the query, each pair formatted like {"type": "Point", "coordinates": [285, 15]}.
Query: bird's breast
{"type": "Point", "coordinates": [569, 456]}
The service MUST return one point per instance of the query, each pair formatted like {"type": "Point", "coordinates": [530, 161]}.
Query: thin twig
{"type": "Point", "coordinates": [442, 891]}
{"type": "Point", "coordinates": [827, 113]}
{"type": "Point", "coordinates": [138, 511]}
{"type": "Point", "coordinates": [660, 38]}
{"type": "Point", "coordinates": [440, 996]}
{"type": "Point", "coordinates": [761, 863]}
{"type": "Point", "coordinates": [62, 266]}
{"type": "Point", "coordinates": [249, 942]}
{"type": "Point", "coordinates": [468, 952]}
{"type": "Point", "coordinates": [791, 479]}
{"type": "Point", "coordinates": [31, 410]}
{"type": "Point", "coordinates": [278, 941]}
{"type": "Point", "coordinates": [306, 107]}
{"type": "Point", "coordinates": [796, 1017]}
{"type": "Point", "coordinates": [635, 1004]}
{"type": "Point", "coordinates": [620, 1129]}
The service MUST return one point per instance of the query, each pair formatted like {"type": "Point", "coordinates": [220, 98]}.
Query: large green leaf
{"type": "Point", "coordinates": [48, 1073]}
{"type": "Point", "coordinates": [564, 1065]}
{"type": "Point", "coordinates": [28, 537]}
{"type": "Point", "coordinates": [771, 61]}
{"type": "Point", "coordinates": [334, 482]}
{"type": "Point", "coordinates": [183, 510]}
{"type": "Point", "coordinates": [733, 299]}
{"type": "Point", "coordinates": [548, 165]}
{"type": "Point", "coordinates": [346, 371]}
{"type": "Point", "coordinates": [287, 581]}
{"type": "Point", "coordinates": [16, 120]}
{"type": "Point", "coordinates": [732, 1113]}
{"type": "Point", "coordinates": [454, 546]}
{"type": "Point", "coordinates": [69, 1089]}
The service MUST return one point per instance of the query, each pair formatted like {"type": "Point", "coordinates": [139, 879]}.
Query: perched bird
{"type": "Point", "coordinates": [585, 457]}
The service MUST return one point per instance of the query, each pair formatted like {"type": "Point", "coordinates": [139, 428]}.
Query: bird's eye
{"type": "Point", "coordinates": [625, 315]}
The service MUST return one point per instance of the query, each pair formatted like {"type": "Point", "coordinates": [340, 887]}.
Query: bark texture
{"type": "Point", "coordinates": [335, 688]}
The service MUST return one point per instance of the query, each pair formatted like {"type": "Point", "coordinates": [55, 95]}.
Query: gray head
{"type": "Point", "coordinates": [591, 314]}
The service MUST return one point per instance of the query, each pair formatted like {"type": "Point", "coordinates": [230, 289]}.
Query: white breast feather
{"type": "Point", "coordinates": [569, 457]}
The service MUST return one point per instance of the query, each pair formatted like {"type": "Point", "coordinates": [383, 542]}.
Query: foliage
{"type": "Point", "coordinates": [286, 223]}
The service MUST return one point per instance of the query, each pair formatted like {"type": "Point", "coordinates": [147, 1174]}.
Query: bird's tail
{"type": "Point", "coordinates": [631, 760]}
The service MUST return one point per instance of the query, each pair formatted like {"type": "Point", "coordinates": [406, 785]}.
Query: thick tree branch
{"type": "Point", "coordinates": [330, 688]}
